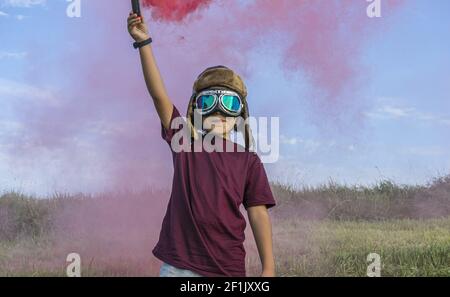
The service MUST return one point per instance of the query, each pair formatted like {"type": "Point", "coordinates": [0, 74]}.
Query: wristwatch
{"type": "Point", "coordinates": [140, 44]}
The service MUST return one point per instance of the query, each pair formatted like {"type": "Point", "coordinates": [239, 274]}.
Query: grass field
{"type": "Point", "coordinates": [323, 231]}
{"type": "Point", "coordinates": [330, 248]}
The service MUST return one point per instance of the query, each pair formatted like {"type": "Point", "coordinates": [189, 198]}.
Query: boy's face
{"type": "Point", "coordinates": [219, 124]}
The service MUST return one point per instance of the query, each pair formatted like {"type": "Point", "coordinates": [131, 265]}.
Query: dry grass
{"type": "Point", "coordinates": [322, 231]}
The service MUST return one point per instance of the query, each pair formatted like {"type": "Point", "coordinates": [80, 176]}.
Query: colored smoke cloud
{"type": "Point", "coordinates": [174, 10]}
{"type": "Point", "coordinates": [103, 129]}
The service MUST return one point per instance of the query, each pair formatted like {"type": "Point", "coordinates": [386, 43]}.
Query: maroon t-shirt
{"type": "Point", "coordinates": [203, 229]}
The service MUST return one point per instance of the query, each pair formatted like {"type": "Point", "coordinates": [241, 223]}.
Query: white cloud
{"type": "Point", "coordinates": [398, 112]}
{"type": "Point", "coordinates": [288, 140]}
{"type": "Point", "coordinates": [12, 55]}
{"type": "Point", "coordinates": [23, 3]}
{"type": "Point", "coordinates": [388, 111]}
{"type": "Point", "coordinates": [9, 128]}
{"type": "Point", "coordinates": [20, 4]}
{"type": "Point", "coordinates": [312, 145]}
{"type": "Point", "coordinates": [295, 140]}
{"type": "Point", "coordinates": [108, 128]}
{"type": "Point", "coordinates": [10, 125]}
{"type": "Point", "coordinates": [445, 121]}
{"type": "Point", "coordinates": [425, 151]}
{"type": "Point", "coordinates": [309, 145]}
{"type": "Point", "coordinates": [16, 90]}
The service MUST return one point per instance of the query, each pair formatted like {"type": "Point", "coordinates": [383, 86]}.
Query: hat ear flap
{"type": "Point", "coordinates": [247, 131]}
{"type": "Point", "coordinates": [190, 118]}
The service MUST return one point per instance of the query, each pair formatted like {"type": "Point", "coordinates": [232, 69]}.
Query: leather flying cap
{"type": "Point", "coordinates": [220, 76]}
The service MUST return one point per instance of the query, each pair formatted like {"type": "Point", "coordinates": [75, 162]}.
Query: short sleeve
{"type": "Point", "coordinates": [176, 124]}
{"type": "Point", "coordinates": [257, 187]}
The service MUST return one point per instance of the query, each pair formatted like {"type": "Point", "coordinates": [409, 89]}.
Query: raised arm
{"type": "Point", "coordinates": [155, 85]}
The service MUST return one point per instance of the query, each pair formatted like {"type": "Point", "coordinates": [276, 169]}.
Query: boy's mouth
{"type": "Point", "coordinates": [218, 120]}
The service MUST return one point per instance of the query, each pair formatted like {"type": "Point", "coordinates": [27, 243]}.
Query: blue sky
{"type": "Point", "coordinates": [406, 119]}
{"type": "Point", "coordinates": [403, 104]}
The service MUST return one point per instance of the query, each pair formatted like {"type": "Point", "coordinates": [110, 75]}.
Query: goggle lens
{"type": "Point", "coordinates": [232, 103]}
{"type": "Point", "coordinates": [205, 102]}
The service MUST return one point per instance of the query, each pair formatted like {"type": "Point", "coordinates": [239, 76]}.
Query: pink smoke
{"type": "Point", "coordinates": [105, 112]}
{"type": "Point", "coordinates": [174, 10]}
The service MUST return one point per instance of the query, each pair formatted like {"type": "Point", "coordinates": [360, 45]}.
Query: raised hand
{"type": "Point", "coordinates": [137, 27]}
